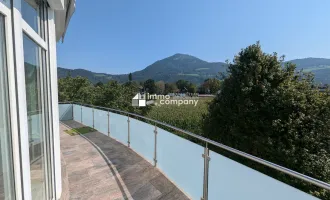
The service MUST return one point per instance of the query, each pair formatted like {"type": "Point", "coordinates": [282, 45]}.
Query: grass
{"type": "Point", "coordinates": [187, 117]}
{"type": "Point", "coordinates": [181, 74]}
{"type": "Point", "coordinates": [200, 69]}
{"type": "Point", "coordinates": [316, 68]}
{"type": "Point", "coordinates": [77, 131]}
{"type": "Point", "coordinates": [99, 75]}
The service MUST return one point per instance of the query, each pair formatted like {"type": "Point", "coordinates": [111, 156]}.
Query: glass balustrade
{"type": "Point", "coordinates": [232, 180]}
{"type": "Point", "coordinates": [197, 171]}
{"type": "Point", "coordinates": [101, 122]}
{"type": "Point", "coordinates": [66, 111]}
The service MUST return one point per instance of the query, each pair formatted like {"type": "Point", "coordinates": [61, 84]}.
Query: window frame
{"type": "Point", "coordinates": [15, 27]}
{"type": "Point", "coordinates": [20, 27]}
{"type": "Point", "coordinates": [5, 10]}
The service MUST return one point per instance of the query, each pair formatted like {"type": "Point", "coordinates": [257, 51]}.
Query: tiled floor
{"type": "Point", "coordinates": [99, 167]}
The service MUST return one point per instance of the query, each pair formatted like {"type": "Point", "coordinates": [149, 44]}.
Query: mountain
{"type": "Point", "coordinates": [320, 67]}
{"type": "Point", "coordinates": [171, 69]}
{"type": "Point", "coordinates": [190, 68]}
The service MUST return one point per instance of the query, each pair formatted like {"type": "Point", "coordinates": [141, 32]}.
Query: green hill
{"type": "Point", "coordinates": [320, 67]}
{"type": "Point", "coordinates": [190, 68]}
{"type": "Point", "coordinates": [171, 69]}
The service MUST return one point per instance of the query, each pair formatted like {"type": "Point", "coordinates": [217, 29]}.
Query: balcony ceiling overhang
{"type": "Point", "coordinates": [64, 10]}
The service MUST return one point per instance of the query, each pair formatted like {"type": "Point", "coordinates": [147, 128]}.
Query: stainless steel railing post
{"type": "Point", "coordinates": [206, 172]}
{"type": "Point", "coordinates": [93, 118]}
{"type": "Point", "coordinates": [155, 150]}
{"type": "Point", "coordinates": [72, 111]}
{"type": "Point", "coordinates": [129, 137]}
{"type": "Point", "coordinates": [108, 124]}
{"type": "Point", "coordinates": [80, 113]}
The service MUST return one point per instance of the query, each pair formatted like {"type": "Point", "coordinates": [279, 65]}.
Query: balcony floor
{"type": "Point", "coordinates": [99, 167]}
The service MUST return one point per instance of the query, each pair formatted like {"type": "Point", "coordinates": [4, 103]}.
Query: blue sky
{"type": "Point", "coordinates": [121, 36]}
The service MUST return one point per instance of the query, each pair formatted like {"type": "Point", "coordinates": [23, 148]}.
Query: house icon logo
{"type": "Point", "coordinates": [139, 100]}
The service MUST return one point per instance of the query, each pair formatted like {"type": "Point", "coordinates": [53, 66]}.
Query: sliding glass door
{"type": "Point", "coordinates": [37, 99]}
{"type": "Point", "coordinates": [27, 168]}
{"type": "Point", "coordinates": [35, 115]}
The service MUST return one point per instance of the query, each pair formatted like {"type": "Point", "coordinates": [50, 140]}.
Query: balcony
{"type": "Point", "coordinates": [123, 157]}
{"type": "Point", "coordinates": [100, 167]}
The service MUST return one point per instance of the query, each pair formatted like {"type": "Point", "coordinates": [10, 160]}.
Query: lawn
{"type": "Point", "coordinates": [187, 117]}
{"type": "Point", "coordinates": [77, 131]}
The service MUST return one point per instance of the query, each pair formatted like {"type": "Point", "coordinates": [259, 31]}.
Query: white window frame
{"type": "Point", "coordinates": [15, 27]}
{"type": "Point", "coordinates": [5, 10]}
{"type": "Point", "coordinates": [57, 167]}
{"type": "Point", "coordinates": [22, 27]}
{"type": "Point", "coordinates": [28, 30]}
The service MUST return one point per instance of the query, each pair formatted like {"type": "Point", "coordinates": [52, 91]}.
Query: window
{"type": "Point", "coordinates": [26, 135]}
{"type": "Point", "coordinates": [33, 63]}
{"type": "Point", "coordinates": [36, 67]}
{"type": "Point", "coordinates": [30, 14]}
{"type": "Point", "coordinates": [6, 166]}
{"type": "Point", "coordinates": [33, 14]}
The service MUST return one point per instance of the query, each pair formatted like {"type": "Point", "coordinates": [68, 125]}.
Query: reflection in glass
{"type": "Point", "coordinates": [6, 173]}
{"type": "Point", "coordinates": [33, 82]}
{"type": "Point", "coordinates": [30, 13]}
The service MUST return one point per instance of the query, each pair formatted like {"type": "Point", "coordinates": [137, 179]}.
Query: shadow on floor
{"type": "Point", "coordinates": [136, 177]}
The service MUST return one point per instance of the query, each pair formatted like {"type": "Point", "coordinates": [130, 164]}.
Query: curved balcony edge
{"type": "Point", "coordinates": [207, 141]}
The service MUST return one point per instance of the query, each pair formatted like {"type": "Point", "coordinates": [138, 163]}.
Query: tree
{"type": "Point", "coordinates": [99, 84]}
{"type": "Point", "coordinates": [160, 87]}
{"type": "Point", "coordinates": [273, 112]}
{"type": "Point", "coordinates": [182, 85]}
{"type": "Point", "coordinates": [70, 88]}
{"type": "Point", "coordinates": [170, 88]}
{"type": "Point", "coordinates": [150, 86]}
{"type": "Point", "coordinates": [211, 85]}
{"type": "Point", "coordinates": [130, 78]}
{"type": "Point", "coordinates": [191, 88]}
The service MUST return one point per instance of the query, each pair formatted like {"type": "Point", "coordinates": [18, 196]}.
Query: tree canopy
{"type": "Point", "coordinates": [130, 78]}
{"type": "Point", "coordinates": [150, 86]}
{"type": "Point", "coordinates": [111, 94]}
{"type": "Point", "coordinates": [210, 86]}
{"type": "Point", "coordinates": [160, 87]}
{"type": "Point", "coordinates": [170, 88]}
{"type": "Point", "coordinates": [270, 111]}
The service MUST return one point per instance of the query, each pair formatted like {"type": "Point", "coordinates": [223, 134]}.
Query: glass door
{"type": "Point", "coordinates": [37, 99]}
{"type": "Point", "coordinates": [35, 114]}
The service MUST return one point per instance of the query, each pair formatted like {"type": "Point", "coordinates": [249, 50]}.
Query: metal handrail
{"type": "Point", "coordinates": [285, 170]}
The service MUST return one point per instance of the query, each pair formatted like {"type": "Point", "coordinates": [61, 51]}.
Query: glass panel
{"type": "Point", "coordinates": [33, 14]}
{"type": "Point", "coordinates": [35, 112]}
{"type": "Point", "coordinates": [119, 127]}
{"type": "Point", "coordinates": [65, 112]}
{"type": "Point", "coordinates": [30, 14]}
{"type": "Point", "coordinates": [143, 139]}
{"type": "Point", "coordinates": [87, 116]}
{"type": "Point", "coordinates": [77, 113]}
{"type": "Point", "coordinates": [231, 180]}
{"type": "Point", "coordinates": [101, 121]}
{"type": "Point", "coordinates": [6, 3]}
{"type": "Point", "coordinates": [182, 162]}
{"type": "Point", "coordinates": [6, 173]}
